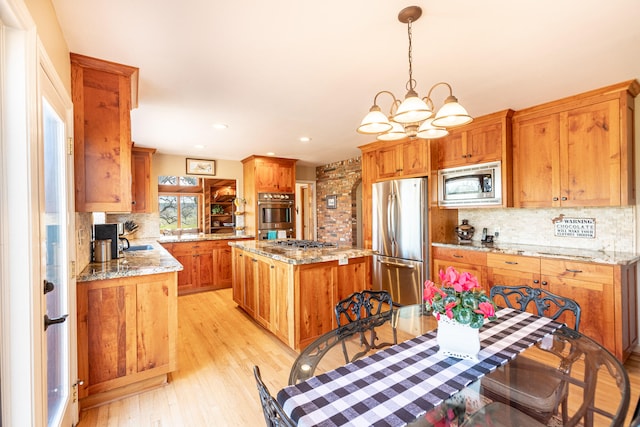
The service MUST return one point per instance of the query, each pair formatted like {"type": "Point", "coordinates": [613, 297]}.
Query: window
{"type": "Point", "coordinates": [179, 202]}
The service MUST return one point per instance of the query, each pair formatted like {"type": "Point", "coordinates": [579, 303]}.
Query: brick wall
{"type": "Point", "coordinates": [340, 179]}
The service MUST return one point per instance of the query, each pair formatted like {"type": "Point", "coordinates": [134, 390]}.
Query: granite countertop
{"type": "Point", "coordinates": [298, 256]}
{"type": "Point", "coordinates": [136, 263]}
{"type": "Point", "coordinates": [573, 254]}
{"type": "Point", "coordinates": [193, 237]}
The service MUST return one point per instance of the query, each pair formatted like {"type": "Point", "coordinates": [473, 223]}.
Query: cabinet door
{"type": "Point", "coordinates": [282, 289]}
{"type": "Point", "coordinates": [316, 301]}
{"type": "Point", "coordinates": [141, 201]}
{"type": "Point", "coordinates": [415, 157]}
{"type": "Point", "coordinates": [250, 291]}
{"type": "Point", "coordinates": [263, 285]}
{"type": "Point", "coordinates": [536, 162]}
{"type": "Point", "coordinates": [452, 150]}
{"type": "Point", "coordinates": [592, 287]}
{"type": "Point", "coordinates": [186, 280]}
{"type": "Point", "coordinates": [389, 161]}
{"type": "Point", "coordinates": [203, 267]}
{"type": "Point", "coordinates": [592, 144]}
{"type": "Point", "coordinates": [102, 134]}
{"type": "Point", "coordinates": [266, 176]}
{"type": "Point", "coordinates": [484, 144]}
{"type": "Point", "coordinates": [238, 276]}
{"type": "Point", "coordinates": [222, 270]}
{"type": "Point", "coordinates": [285, 179]}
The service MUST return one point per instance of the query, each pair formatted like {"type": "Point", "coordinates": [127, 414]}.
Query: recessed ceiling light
{"type": "Point", "coordinates": [199, 146]}
{"type": "Point", "coordinates": [220, 126]}
{"type": "Point", "coordinates": [305, 139]}
{"type": "Point", "coordinates": [271, 153]}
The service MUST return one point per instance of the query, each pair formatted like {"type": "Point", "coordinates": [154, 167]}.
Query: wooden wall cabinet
{"type": "Point", "coordinates": [143, 193]}
{"type": "Point", "coordinates": [207, 265]}
{"type": "Point", "coordinates": [103, 95]}
{"type": "Point", "coordinates": [486, 139]}
{"type": "Point", "coordinates": [403, 159]}
{"type": "Point", "coordinates": [127, 330]}
{"type": "Point", "coordinates": [295, 302]}
{"type": "Point", "coordinates": [265, 175]}
{"type": "Point", "coordinates": [606, 293]}
{"type": "Point", "coordinates": [559, 146]}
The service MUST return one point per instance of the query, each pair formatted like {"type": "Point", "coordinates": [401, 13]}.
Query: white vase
{"type": "Point", "coordinates": [457, 340]}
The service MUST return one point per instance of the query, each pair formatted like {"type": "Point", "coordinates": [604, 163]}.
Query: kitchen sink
{"type": "Point", "coordinates": [139, 248]}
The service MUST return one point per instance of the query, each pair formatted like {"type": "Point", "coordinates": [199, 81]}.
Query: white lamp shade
{"type": "Point", "coordinates": [397, 132]}
{"type": "Point", "coordinates": [428, 131]}
{"type": "Point", "coordinates": [451, 114]}
{"type": "Point", "coordinates": [412, 110]}
{"type": "Point", "coordinates": [374, 122]}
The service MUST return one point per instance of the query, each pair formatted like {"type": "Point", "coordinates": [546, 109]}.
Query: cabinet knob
{"type": "Point", "coordinates": [555, 199]}
{"type": "Point", "coordinates": [544, 283]}
{"type": "Point", "coordinates": [457, 256]}
{"type": "Point", "coordinates": [564, 198]}
{"type": "Point", "coordinates": [536, 281]}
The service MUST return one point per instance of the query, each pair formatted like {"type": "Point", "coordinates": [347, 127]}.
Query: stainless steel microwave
{"type": "Point", "coordinates": [469, 186]}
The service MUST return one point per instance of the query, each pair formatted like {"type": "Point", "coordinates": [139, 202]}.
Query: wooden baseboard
{"type": "Point", "coordinates": [122, 392]}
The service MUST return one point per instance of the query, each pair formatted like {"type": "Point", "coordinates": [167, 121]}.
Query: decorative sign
{"type": "Point", "coordinates": [574, 227]}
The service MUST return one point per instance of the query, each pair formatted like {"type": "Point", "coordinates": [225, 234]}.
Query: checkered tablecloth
{"type": "Point", "coordinates": [397, 385]}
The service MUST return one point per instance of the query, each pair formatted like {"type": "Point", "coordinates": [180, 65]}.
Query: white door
{"type": "Point", "coordinates": [59, 361]}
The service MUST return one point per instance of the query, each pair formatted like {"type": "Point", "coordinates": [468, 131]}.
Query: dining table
{"type": "Point", "coordinates": [408, 381]}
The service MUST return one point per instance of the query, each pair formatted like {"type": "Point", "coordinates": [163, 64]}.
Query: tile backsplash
{"type": "Point", "coordinates": [148, 224]}
{"type": "Point", "coordinates": [614, 227]}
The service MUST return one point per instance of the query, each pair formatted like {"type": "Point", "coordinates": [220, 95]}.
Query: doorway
{"type": "Point", "coordinates": [305, 210]}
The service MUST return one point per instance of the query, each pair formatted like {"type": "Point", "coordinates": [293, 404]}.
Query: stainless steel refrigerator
{"type": "Point", "coordinates": [400, 236]}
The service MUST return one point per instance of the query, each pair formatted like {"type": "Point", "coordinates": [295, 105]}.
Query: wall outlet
{"type": "Point", "coordinates": [496, 233]}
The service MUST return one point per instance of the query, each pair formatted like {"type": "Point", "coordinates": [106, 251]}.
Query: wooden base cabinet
{"type": "Point", "coordinates": [607, 294]}
{"type": "Point", "coordinates": [207, 265]}
{"type": "Point", "coordinates": [473, 262]}
{"type": "Point", "coordinates": [295, 302]}
{"type": "Point", "coordinates": [127, 331]}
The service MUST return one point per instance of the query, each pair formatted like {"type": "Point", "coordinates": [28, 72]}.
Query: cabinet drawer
{"type": "Point", "coordinates": [514, 262]}
{"type": "Point", "coordinates": [460, 255]}
{"type": "Point", "coordinates": [583, 271]}
{"type": "Point", "coordinates": [188, 248]}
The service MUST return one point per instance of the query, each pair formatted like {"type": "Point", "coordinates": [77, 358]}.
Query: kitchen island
{"type": "Point", "coordinates": [292, 291]}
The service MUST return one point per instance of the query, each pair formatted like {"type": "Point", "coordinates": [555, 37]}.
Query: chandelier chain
{"type": "Point", "coordinates": [410, 83]}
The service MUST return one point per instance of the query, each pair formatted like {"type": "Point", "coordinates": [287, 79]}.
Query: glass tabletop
{"type": "Point", "coordinates": [594, 384]}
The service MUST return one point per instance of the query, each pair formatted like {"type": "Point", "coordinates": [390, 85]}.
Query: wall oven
{"type": "Point", "coordinates": [275, 215]}
{"type": "Point", "coordinates": [469, 186]}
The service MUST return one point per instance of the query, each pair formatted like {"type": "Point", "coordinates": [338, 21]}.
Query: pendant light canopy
{"type": "Point", "coordinates": [413, 117]}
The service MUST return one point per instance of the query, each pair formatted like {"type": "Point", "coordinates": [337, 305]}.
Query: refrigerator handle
{"type": "Point", "coordinates": [390, 225]}
{"type": "Point", "coordinates": [392, 220]}
{"type": "Point", "coordinates": [397, 264]}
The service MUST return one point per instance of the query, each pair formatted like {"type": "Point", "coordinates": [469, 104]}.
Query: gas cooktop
{"type": "Point", "coordinates": [305, 244]}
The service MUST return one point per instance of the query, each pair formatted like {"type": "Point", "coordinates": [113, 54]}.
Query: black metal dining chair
{"type": "Point", "coordinates": [532, 387]}
{"type": "Point", "coordinates": [365, 305]}
{"type": "Point", "coordinates": [274, 415]}
{"type": "Point", "coordinates": [635, 421]}
{"type": "Point", "coordinates": [357, 315]}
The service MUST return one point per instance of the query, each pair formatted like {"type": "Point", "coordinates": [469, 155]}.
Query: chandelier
{"type": "Point", "coordinates": [413, 117]}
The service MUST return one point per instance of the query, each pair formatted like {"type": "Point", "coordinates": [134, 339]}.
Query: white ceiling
{"type": "Point", "coordinates": [275, 71]}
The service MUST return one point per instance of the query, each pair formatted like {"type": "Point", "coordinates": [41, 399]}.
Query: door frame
{"type": "Point", "coordinates": [55, 89]}
{"type": "Point", "coordinates": [21, 322]}
{"type": "Point", "coordinates": [314, 218]}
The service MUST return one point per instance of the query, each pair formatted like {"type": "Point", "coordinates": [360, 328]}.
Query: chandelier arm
{"type": "Point", "coordinates": [438, 84]}
{"type": "Point", "coordinates": [395, 102]}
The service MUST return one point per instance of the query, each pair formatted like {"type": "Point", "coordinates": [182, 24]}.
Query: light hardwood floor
{"type": "Point", "coordinates": [218, 345]}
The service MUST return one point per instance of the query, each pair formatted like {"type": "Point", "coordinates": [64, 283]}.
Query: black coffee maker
{"type": "Point", "coordinates": [110, 231]}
